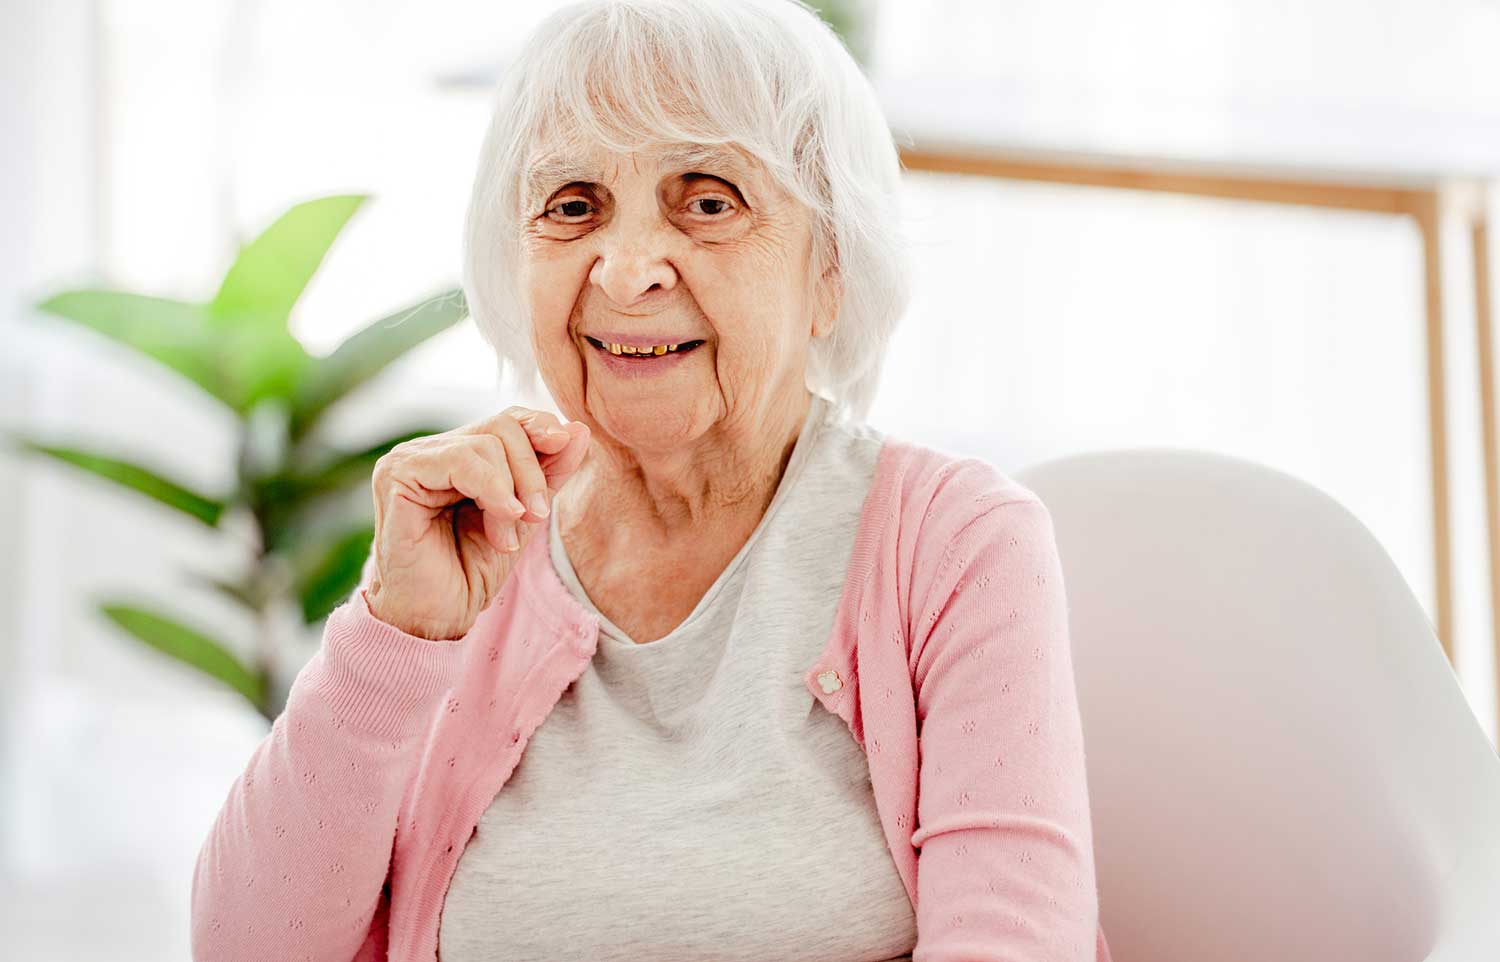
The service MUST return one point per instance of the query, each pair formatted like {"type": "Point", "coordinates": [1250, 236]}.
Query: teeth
{"type": "Point", "coordinates": [628, 349]}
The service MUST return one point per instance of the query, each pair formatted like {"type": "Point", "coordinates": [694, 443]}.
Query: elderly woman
{"type": "Point", "coordinates": [712, 670]}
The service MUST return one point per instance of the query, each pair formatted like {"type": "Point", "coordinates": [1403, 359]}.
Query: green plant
{"type": "Point", "coordinates": [850, 20]}
{"type": "Point", "coordinates": [306, 503]}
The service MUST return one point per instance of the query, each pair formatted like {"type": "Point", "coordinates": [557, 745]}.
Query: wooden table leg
{"type": "Point", "coordinates": [1489, 407]}
{"type": "Point", "coordinates": [1428, 214]}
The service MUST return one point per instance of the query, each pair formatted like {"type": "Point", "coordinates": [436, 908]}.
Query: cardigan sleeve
{"type": "Point", "coordinates": [1005, 865]}
{"type": "Point", "coordinates": [296, 863]}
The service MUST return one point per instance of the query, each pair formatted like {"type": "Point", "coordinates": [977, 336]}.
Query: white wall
{"type": "Point", "coordinates": [48, 193]}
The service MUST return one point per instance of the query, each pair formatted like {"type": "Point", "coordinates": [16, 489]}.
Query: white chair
{"type": "Point", "coordinates": [1281, 764]}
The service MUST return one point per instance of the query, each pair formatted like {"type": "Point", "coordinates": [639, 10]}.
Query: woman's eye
{"type": "Point", "coordinates": [572, 208]}
{"type": "Point", "coordinates": [713, 207]}
{"type": "Point", "coordinates": [717, 205]}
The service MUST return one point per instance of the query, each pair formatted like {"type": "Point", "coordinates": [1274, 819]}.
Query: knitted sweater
{"type": "Point", "coordinates": [948, 660]}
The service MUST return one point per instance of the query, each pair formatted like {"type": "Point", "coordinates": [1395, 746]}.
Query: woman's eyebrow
{"type": "Point", "coordinates": [553, 170]}
{"type": "Point", "coordinates": [703, 155]}
{"type": "Point", "coordinates": [565, 170]}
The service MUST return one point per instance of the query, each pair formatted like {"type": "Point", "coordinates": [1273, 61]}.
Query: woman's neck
{"type": "Point", "coordinates": [720, 486]}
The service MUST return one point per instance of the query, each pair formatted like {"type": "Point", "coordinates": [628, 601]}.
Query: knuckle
{"type": "Point", "coordinates": [401, 448]}
{"type": "Point", "coordinates": [398, 454]}
{"type": "Point", "coordinates": [496, 469]}
{"type": "Point", "coordinates": [512, 419]}
{"type": "Point", "coordinates": [493, 446]}
{"type": "Point", "coordinates": [490, 457]}
{"type": "Point", "coordinates": [513, 440]}
{"type": "Point", "coordinates": [477, 454]}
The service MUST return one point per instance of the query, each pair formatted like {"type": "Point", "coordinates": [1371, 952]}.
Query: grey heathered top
{"type": "Point", "coordinates": [687, 799]}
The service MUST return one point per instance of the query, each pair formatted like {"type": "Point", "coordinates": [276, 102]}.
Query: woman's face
{"type": "Point", "coordinates": [654, 249]}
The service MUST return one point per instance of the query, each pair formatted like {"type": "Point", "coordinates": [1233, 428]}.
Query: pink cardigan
{"type": "Point", "coordinates": [949, 661]}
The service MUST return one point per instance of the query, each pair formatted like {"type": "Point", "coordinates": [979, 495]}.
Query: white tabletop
{"type": "Point", "coordinates": [1350, 143]}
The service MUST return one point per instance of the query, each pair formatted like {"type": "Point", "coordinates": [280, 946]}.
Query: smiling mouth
{"type": "Point", "coordinates": [643, 353]}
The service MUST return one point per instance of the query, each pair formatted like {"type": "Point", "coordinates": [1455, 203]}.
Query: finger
{"type": "Point", "coordinates": [432, 481]}
{"type": "Point", "coordinates": [405, 478]}
{"type": "Point", "coordinates": [432, 478]}
{"type": "Point", "coordinates": [470, 520]}
{"type": "Point", "coordinates": [530, 483]}
{"type": "Point", "coordinates": [544, 429]}
{"type": "Point", "coordinates": [493, 458]}
{"type": "Point", "coordinates": [500, 527]}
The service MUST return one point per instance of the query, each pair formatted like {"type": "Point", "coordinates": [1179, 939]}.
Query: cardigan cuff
{"type": "Point", "coordinates": [376, 676]}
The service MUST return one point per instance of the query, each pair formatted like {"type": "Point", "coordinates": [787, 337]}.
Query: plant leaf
{"type": "Point", "coordinates": [173, 333]}
{"type": "Point", "coordinates": [261, 364]}
{"type": "Point", "coordinates": [289, 502]}
{"type": "Point", "coordinates": [188, 646]}
{"type": "Point", "coordinates": [287, 525]}
{"type": "Point", "coordinates": [326, 576]}
{"type": "Point", "coordinates": [242, 591]}
{"type": "Point", "coordinates": [343, 468]}
{"type": "Point", "coordinates": [271, 271]}
{"type": "Point", "coordinates": [133, 476]}
{"type": "Point", "coordinates": [367, 352]}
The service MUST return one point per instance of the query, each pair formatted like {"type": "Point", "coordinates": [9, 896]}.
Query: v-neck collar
{"type": "Point", "coordinates": [813, 425]}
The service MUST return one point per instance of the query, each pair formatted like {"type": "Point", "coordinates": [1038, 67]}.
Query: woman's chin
{"type": "Point", "coordinates": [643, 424]}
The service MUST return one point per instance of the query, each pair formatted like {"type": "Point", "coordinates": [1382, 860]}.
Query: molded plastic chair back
{"type": "Point", "coordinates": [1281, 764]}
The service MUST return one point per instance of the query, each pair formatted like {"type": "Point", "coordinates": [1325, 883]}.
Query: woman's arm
{"type": "Point", "coordinates": [296, 860]}
{"type": "Point", "coordinates": [1006, 867]}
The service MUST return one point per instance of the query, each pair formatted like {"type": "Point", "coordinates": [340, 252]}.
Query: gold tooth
{"type": "Point", "coordinates": [627, 349]}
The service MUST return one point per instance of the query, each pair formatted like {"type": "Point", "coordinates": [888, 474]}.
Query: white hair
{"type": "Point", "coordinates": [766, 76]}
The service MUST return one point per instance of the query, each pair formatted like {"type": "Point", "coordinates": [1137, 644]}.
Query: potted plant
{"type": "Point", "coordinates": [304, 503]}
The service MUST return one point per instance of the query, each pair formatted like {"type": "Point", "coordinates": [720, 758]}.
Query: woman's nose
{"type": "Point", "coordinates": [626, 272]}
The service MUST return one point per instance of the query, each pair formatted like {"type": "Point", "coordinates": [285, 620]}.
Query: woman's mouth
{"type": "Point", "coordinates": [639, 362]}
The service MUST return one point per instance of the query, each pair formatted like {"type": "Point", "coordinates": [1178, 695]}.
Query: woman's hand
{"type": "Point", "coordinates": [449, 518]}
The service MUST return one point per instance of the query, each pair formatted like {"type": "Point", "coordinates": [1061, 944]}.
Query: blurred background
{"type": "Point", "coordinates": [1260, 228]}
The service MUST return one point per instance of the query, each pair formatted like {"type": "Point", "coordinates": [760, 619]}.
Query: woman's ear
{"type": "Point", "coordinates": [830, 301]}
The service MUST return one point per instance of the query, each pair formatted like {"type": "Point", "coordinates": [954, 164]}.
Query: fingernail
{"type": "Point", "coordinates": [511, 541]}
{"type": "Point", "coordinates": [557, 433]}
{"type": "Point", "coordinates": [537, 504]}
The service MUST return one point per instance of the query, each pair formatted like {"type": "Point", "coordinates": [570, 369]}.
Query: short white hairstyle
{"type": "Point", "coordinates": [768, 77]}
